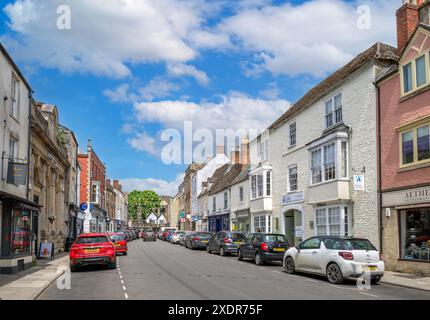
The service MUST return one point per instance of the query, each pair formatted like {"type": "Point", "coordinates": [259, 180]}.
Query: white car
{"type": "Point", "coordinates": [176, 237]}
{"type": "Point", "coordinates": [335, 257]}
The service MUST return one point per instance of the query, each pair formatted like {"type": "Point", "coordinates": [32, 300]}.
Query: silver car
{"type": "Point", "coordinates": [335, 257]}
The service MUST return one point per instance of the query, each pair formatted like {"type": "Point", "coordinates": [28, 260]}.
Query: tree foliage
{"type": "Point", "coordinates": [142, 203]}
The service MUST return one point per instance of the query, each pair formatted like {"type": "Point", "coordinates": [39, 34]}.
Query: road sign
{"type": "Point", "coordinates": [83, 207]}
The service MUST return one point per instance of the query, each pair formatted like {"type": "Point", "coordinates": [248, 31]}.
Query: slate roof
{"type": "Point", "coordinates": [231, 172]}
{"type": "Point", "coordinates": [243, 175]}
{"type": "Point", "coordinates": [379, 51]}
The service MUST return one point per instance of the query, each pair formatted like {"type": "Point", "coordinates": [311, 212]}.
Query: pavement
{"type": "Point", "coordinates": [407, 280]}
{"type": "Point", "coordinates": [30, 283]}
{"type": "Point", "coordinates": [161, 271]}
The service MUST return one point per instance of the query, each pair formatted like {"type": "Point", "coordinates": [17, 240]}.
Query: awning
{"type": "Point", "coordinates": [22, 202]}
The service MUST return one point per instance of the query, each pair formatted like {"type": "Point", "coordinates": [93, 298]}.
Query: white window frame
{"type": "Point", "coordinates": [13, 148]}
{"type": "Point", "coordinates": [268, 184]}
{"type": "Point", "coordinates": [338, 156]}
{"type": "Point", "coordinates": [292, 134]}
{"type": "Point", "coordinates": [294, 166]}
{"type": "Point", "coordinates": [344, 222]}
{"type": "Point", "coordinates": [259, 190]}
{"type": "Point", "coordinates": [268, 223]}
{"type": "Point", "coordinates": [15, 95]}
{"type": "Point", "coordinates": [333, 110]}
{"type": "Point", "coordinates": [241, 194]}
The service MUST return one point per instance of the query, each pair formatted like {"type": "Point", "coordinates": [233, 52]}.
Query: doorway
{"type": "Point", "coordinates": [293, 226]}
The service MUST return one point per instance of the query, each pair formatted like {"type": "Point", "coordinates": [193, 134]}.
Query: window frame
{"type": "Point", "coordinates": [15, 97]}
{"type": "Point", "coordinates": [15, 154]}
{"type": "Point", "coordinates": [413, 63]}
{"type": "Point", "coordinates": [344, 221]}
{"type": "Point", "coordinates": [414, 128]}
{"type": "Point", "coordinates": [241, 194]}
{"type": "Point", "coordinates": [292, 134]}
{"type": "Point", "coordinates": [333, 110]}
{"type": "Point", "coordinates": [294, 166]}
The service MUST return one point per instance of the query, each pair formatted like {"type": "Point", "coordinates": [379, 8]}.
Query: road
{"type": "Point", "coordinates": [161, 271]}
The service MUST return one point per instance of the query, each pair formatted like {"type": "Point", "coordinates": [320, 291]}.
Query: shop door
{"type": "Point", "coordinates": [35, 233]}
{"type": "Point", "coordinates": [218, 225]}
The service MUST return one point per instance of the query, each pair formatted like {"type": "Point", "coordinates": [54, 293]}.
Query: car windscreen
{"type": "Point", "coordinates": [358, 244]}
{"type": "Point", "coordinates": [275, 238]}
{"type": "Point", "coordinates": [92, 240]}
{"type": "Point", "coordinates": [237, 236]}
{"type": "Point", "coordinates": [117, 237]}
{"type": "Point", "coordinates": [203, 234]}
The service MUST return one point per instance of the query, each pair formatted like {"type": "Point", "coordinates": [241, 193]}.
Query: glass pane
{"type": "Point", "coordinates": [407, 77]}
{"type": "Point", "coordinates": [421, 71]}
{"type": "Point", "coordinates": [344, 163]}
{"type": "Point", "coordinates": [423, 141]}
{"type": "Point", "coordinates": [21, 232]}
{"type": "Point", "coordinates": [408, 147]}
{"type": "Point", "coordinates": [416, 234]}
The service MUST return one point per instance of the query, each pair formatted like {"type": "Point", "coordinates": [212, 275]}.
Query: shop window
{"type": "Point", "coordinates": [415, 233]}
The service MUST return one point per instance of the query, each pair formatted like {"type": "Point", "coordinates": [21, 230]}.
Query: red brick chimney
{"type": "Point", "coordinates": [244, 151]}
{"type": "Point", "coordinates": [407, 21]}
{"type": "Point", "coordinates": [235, 157]}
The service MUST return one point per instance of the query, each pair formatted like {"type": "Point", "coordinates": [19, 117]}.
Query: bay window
{"type": "Point", "coordinates": [415, 145]}
{"type": "Point", "coordinates": [261, 185]}
{"type": "Point", "coordinates": [329, 161]}
{"type": "Point", "coordinates": [254, 187]}
{"type": "Point", "coordinates": [332, 221]}
{"type": "Point", "coordinates": [268, 184]}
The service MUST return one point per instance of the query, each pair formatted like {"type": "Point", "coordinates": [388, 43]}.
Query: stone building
{"type": "Point", "coordinates": [110, 206]}
{"type": "Point", "coordinates": [121, 207]}
{"type": "Point", "coordinates": [48, 173]}
{"type": "Point", "coordinates": [18, 212]}
{"type": "Point", "coordinates": [404, 146]}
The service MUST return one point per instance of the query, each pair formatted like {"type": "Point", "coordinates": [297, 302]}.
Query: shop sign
{"type": "Point", "coordinates": [293, 198]}
{"type": "Point", "coordinates": [406, 197]}
{"type": "Point", "coordinates": [17, 174]}
{"type": "Point", "coordinates": [359, 182]}
{"type": "Point", "coordinates": [196, 218]}
{"type": "Point", "coordinates": [182, 214]}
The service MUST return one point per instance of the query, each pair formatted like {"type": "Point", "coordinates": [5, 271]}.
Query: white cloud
{"type": "Point", "coordinates": [271, 92]}
{"type": "Point", "coordinates": [234, 111]}
{"type": "Point", "coordinates": [105, 38]}
{"type": "Point", "coordinates": [143, 142]}
{"type": "Point", "coordinates": [162, 187]}
{"type": "Point", "coordinates": [181, 69]}
{"type": "Point", "coordinates": [314, 37]}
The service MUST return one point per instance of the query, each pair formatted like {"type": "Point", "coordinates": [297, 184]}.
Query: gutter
{"type": "Point", "coordinates": [378, 107]}
{"type": "Point", "coordinates": [30, 98]}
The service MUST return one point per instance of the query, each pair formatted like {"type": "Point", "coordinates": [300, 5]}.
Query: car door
{"type": "Point", "coordinates": [245, 248]}
{"type": "Point", "coordinates": [220, 241]}
{"type": "Point", "coordinates": [309, 254]}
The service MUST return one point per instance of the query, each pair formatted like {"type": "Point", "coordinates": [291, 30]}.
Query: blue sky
{"type": "Point", "coordinates": [128, 70]}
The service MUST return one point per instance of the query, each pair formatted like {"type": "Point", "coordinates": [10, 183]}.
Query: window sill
{"type": "Point", "coordinates": [330, 181]}
{"type": "Point", "coordinates": [334, 126]}
{"type": "Point", "coordinates": [414, 167]}
{"type": "Point", "coordinates": [414, 260]}
{"type": "Point", "coordinates": [412, 94]}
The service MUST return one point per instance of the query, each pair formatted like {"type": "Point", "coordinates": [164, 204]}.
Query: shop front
{"type": "Point", "coordinates": [219, 223]}
{"type": "Point", "coordinates": [17, 233]}
{"type": "Point", "coordinates": [242, 222]}
{"type": "Point", "coordinates": [406, 230]}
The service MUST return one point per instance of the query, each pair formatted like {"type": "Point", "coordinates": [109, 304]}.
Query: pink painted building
{"type": "Point", "coordinates": [404, 145]}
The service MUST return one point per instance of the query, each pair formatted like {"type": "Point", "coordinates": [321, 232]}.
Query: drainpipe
{"type": "Point", "coordinates": [30, 98]}
{"type": "Point", "coordinates": [378, 107]}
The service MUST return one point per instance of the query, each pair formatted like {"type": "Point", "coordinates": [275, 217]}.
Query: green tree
{"type": "Point", "coordinates": [142, 203]}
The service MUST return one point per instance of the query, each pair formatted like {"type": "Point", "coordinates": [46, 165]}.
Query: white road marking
{"type": "Point", "coordinates": [120, 276]}
{"type": "Point", "coordinates": [124, 288]}
{"type": "Point", "coordinates": [126, 295]}
{"type": "Point", "coordinates": [368, 294]}
{"type": "Point", "coordinates": [122, 281]}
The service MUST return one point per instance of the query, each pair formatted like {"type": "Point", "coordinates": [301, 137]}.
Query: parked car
{"type": "Point", "coordinates": [336, 258]}
{"type": "Point", "coordinates": [198, 240]}
{"type": "Point", "coordinates": [166, 232]}
{"type": "Point", "coordinates": [264, 247]}
{"type": "Point", "coordinates": [160, 234]}
{"type": "Point", "coordinates": [149, 235]}
{"type": "Point", "coordinates": [176, 237]}
{"type": "Point", "coordinates": [183, 239]}
{"type": "Point", "coordinates": [169, 235]}
{"type": "Point", "coordinates": [90, 249]}
{"type": "Point", "coordinates": [225, 242]}
{"type": "Point", "coordinates": [120, 242]}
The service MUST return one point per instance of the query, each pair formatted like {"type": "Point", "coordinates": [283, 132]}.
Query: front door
{"type": "Point", "coordinates": [289, 228]}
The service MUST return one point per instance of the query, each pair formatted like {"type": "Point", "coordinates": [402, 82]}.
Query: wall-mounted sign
{"type": "Point", "coordinates": [359, 182]}
{"type": "Point", "coordinates": [17, 173]}
{"type": "Point", "coordinates": [182, 214]}
{"type": "Point", "coordinates": [293, 198]}
{"type": "Point", "coordinates": [83, 207]}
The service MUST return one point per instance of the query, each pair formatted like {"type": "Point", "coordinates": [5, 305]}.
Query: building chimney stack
{"type": "Point", "coordinates": [235, 156]}
{"type": "Point", "coordinates": [220, 150]}
{"type": "Point", "coordinates": [407, 21]}
{"type": "Point", "coordinates": [244, 151]}
{"type": "Point", "coordinates": [424, 13]}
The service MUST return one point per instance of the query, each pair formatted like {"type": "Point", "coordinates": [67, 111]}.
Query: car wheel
{"type": "Point", "coordinates": [289, 266]}
{"type": "Point", "coordinates": [258, 259]}
{"type": "Point", "coordinates": [208, 249]}
{"type": "Point", "coordinates": [124, 254]}
{"type": "Point", "coordinates": [73, 268]}
{"type": "Point", "coordinates": [239, 255]}
{"type": "Point", "coordinates": [334, 274]}
{"type": "Point", "coordinates": [222, 251]}
{"type": "Point", "coordinates": [375, 281]}
{"type": "Point", "coordinates": [192, 246]}
{"type": "Point", "coordinates": [112, 265]}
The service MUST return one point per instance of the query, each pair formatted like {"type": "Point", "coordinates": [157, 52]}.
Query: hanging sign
{"type": "Point", "coordinates": [17, 174]}
{"type": "Point", "coordinates": [359, 182]}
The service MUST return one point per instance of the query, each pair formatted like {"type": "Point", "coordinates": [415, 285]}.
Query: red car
{"type": "Point", "coordinates": [92, 248]}
{"type": "Point", "coordinates": [120, 242]}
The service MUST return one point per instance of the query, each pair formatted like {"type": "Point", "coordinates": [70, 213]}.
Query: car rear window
{"type": "Point", "coordinates": [358, 244]}
{"type": "Point", "coordinates": [92, 240]}
{"type": "Point", "coordinates": [275, 238]}
{"type": "Point", "coordinates": [117, 237]}
{"type": "Point", "coordinates": [203, 234]}
{"type": "Point", "coordinates": [237, 236]}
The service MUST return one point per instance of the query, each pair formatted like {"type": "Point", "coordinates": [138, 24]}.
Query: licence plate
{"type": "Point", "coordinates": [91, 250]}
{"type": "Point", "coordinates": [371, 268]}
{"type": "Point", "coordinates": [239, 243]}
{"type": "Point", "coordinates": [117, 245]}
{"type": "Point", "coordinates": [205, 241]}
{"type": "Point", "coordinates": [279, 249]}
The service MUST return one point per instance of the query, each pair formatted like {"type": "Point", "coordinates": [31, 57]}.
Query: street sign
{"type": "Point", "coordinates": [359, 182]}
{"type": "Point", "coordinates": [83, 207]}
